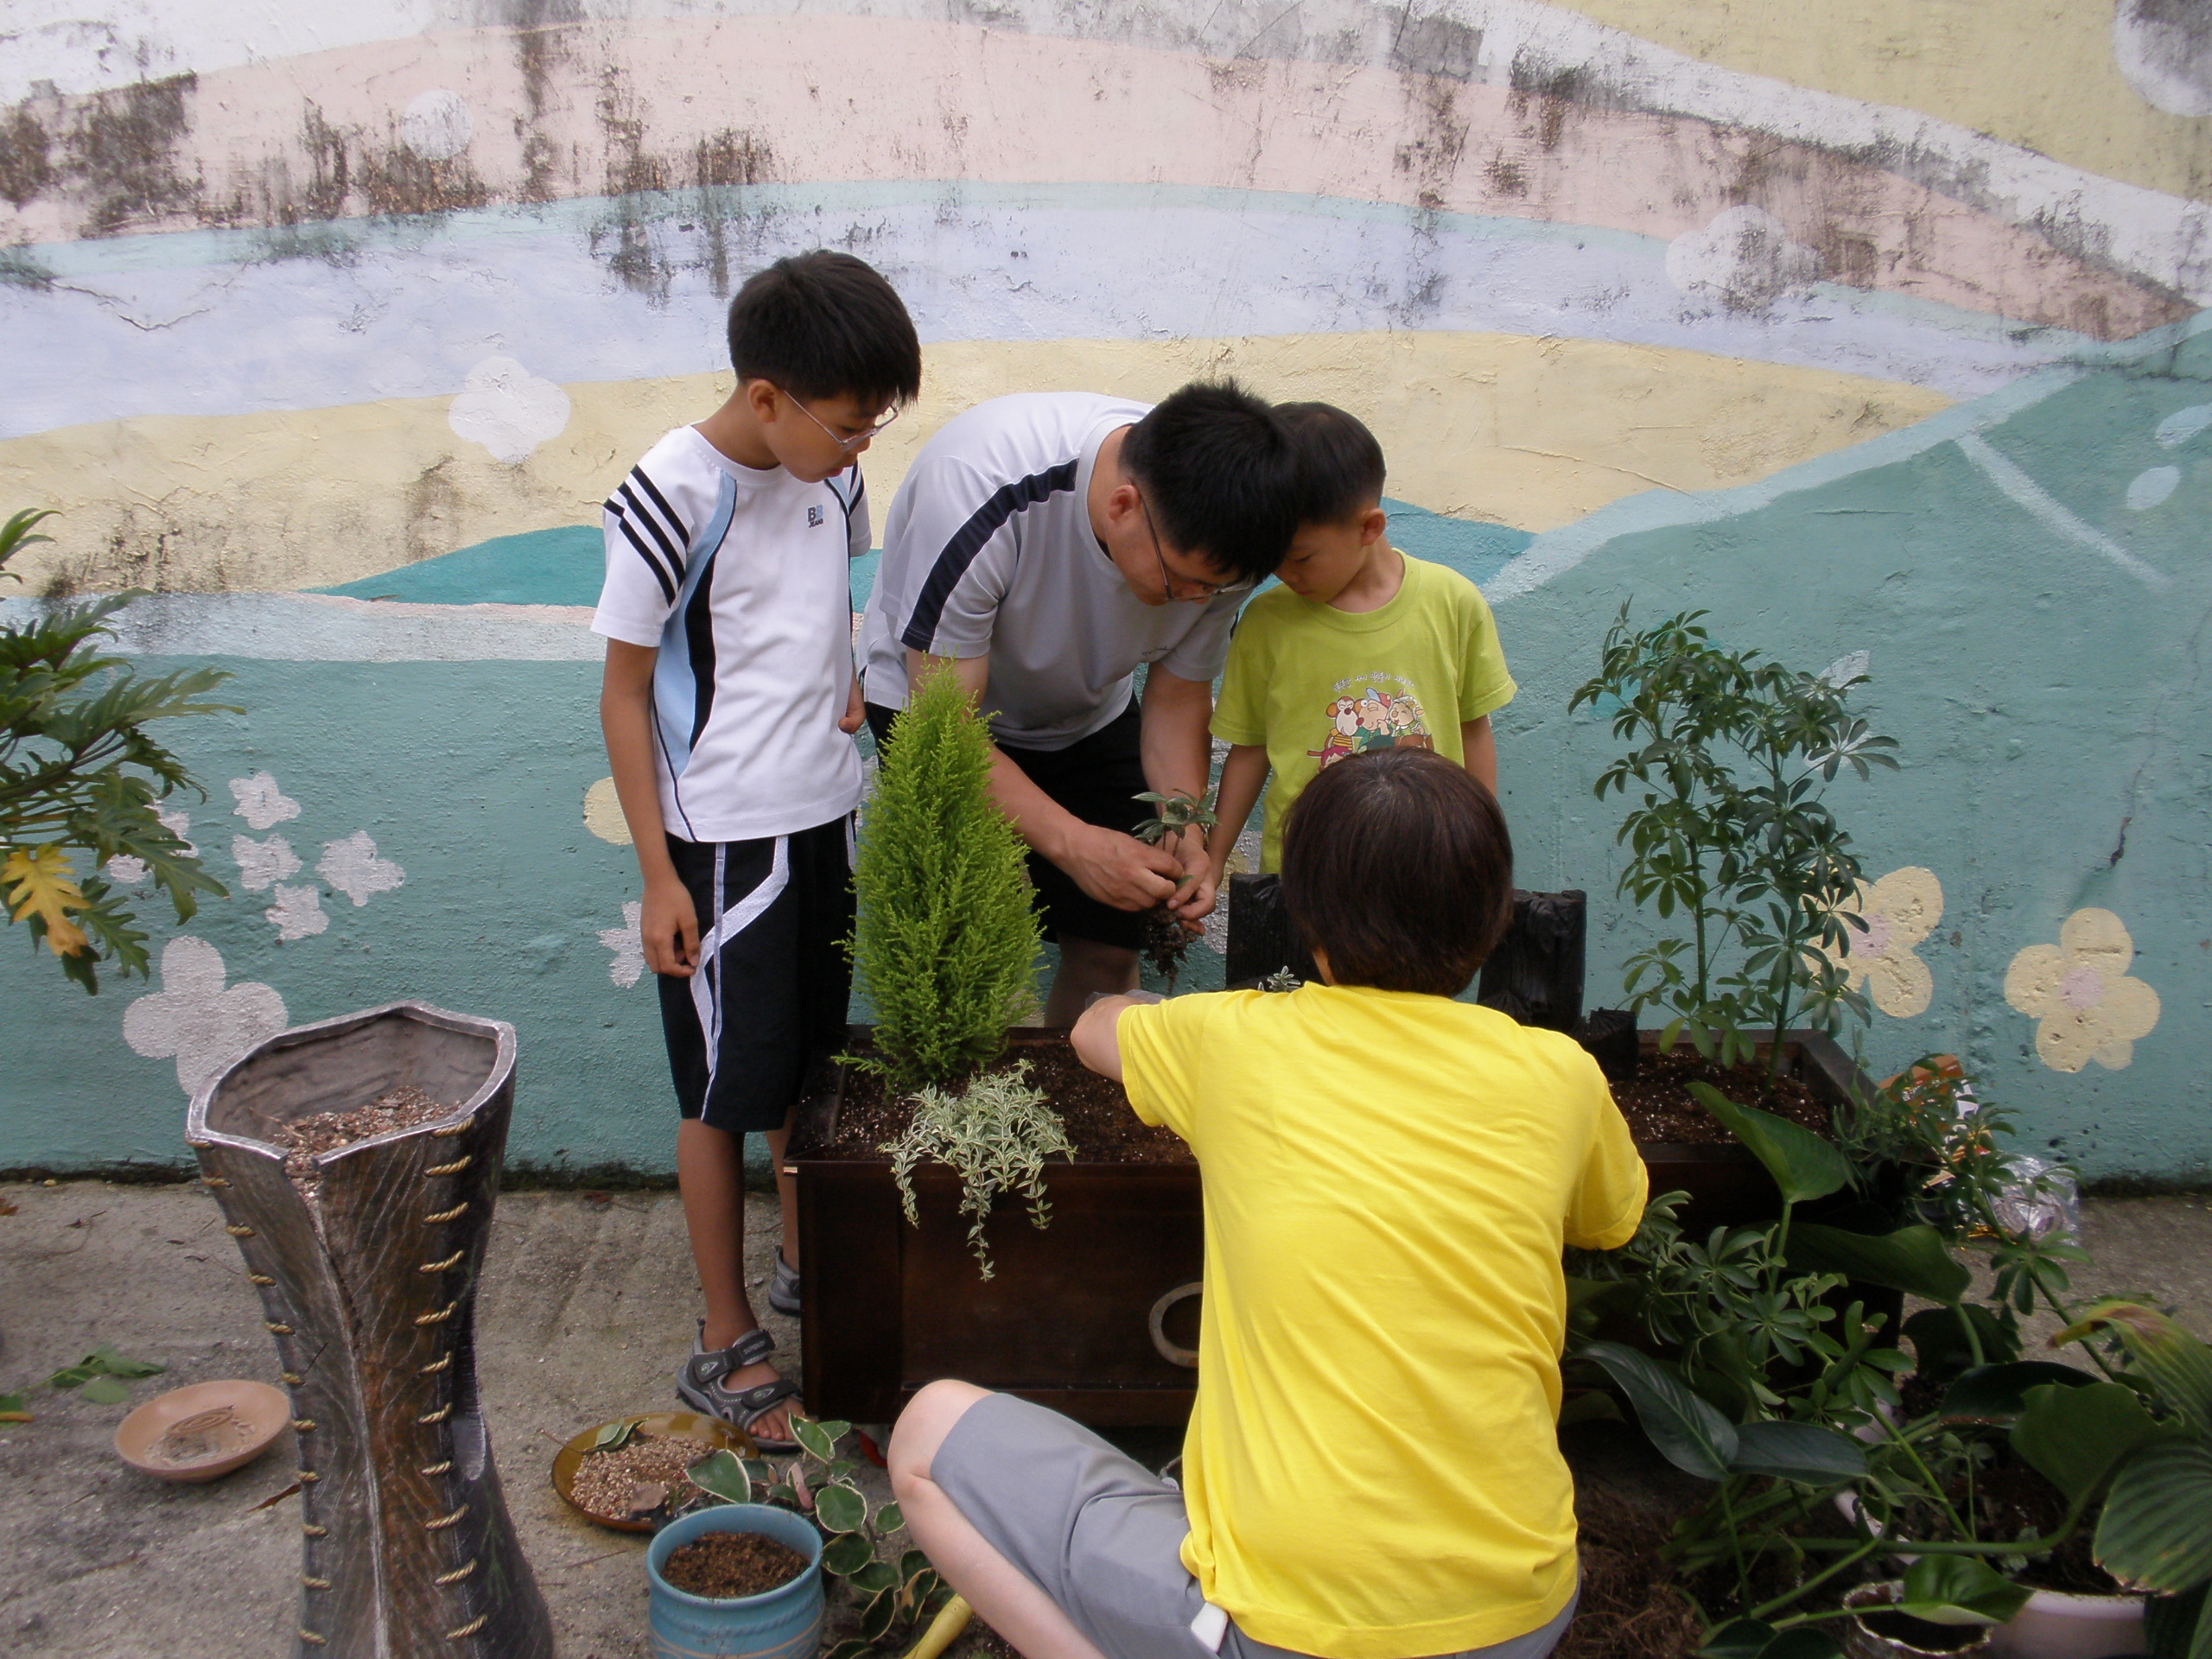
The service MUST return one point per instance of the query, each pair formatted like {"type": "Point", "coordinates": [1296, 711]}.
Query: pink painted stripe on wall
{"type": "Point", "coordinates": [590, 109]}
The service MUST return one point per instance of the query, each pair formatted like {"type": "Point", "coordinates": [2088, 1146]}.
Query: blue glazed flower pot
{"type": "Point", "coordinates": [784, 1622]}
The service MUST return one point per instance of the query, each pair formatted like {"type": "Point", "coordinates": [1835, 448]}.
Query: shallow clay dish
{"type": "Point", "coordinates": [203, 1431]}
{"type": "Point", "coordinates": [712, 1432]}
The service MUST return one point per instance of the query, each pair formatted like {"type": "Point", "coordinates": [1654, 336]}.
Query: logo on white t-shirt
{"type": "Point", "coordinates": [813, 517]}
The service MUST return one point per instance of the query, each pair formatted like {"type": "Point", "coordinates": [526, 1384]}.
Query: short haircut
{"type": "Point", "coordinates": [1339, 463]}
{"type": "Point", "coordinates": [825, 325]}
{"type": "Point", "coordinates": [1397, 866]}
{"type": "Point", "coordinates": [1219, 476]}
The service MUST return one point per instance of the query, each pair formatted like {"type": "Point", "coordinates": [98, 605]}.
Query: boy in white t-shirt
{"type": "Point", "coordinates": [728, 702]}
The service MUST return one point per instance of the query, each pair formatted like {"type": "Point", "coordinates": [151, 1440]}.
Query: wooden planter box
{"type": "Point", "coordinates": [1066, 1319]}
{"type": "Point", "coordinates": [1727, 1185]}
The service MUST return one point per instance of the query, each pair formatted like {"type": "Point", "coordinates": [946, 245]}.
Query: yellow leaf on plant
{"type": "Point", "coordinates": [38, 882]}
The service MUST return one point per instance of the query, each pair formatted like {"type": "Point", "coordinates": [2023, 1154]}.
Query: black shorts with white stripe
{"type": "Point", "coordinates": [774, 983]}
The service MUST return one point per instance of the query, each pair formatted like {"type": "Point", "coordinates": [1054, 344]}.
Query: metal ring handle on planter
{"type": "Point", "coordinates": [1172, 1352]}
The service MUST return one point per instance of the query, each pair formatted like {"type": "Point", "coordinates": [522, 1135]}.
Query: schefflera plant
{"type": "Point", "coordinates": [945, 943]}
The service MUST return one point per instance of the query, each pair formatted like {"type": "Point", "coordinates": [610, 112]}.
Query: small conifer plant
{"type": "Point", "coordinates": [946, 943]}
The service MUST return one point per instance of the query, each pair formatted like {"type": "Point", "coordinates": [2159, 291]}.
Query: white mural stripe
{"type": "Point", "coordinates": [323, 628]}
{"type": "Point", "coordinates": [2039, 503]}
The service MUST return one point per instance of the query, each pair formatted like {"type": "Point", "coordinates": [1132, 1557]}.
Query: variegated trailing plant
{"type": "Point", "coordinates": [896, 1591]}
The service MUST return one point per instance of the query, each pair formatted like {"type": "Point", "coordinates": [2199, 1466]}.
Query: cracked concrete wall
{"type": "Point", "coordinates": [1642, 300]}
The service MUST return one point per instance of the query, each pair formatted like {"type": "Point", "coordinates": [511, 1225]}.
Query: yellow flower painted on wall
{"type": "Point", "coordinates": [1900, 911]}
{"type": "Point", "coordinates": [2078, 991]}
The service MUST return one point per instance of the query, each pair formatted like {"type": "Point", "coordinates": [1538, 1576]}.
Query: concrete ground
{"type": "Point", "coordinates": [586, 1310]}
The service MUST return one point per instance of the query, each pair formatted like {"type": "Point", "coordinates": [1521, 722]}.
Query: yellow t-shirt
{"type": "Point", "coordinates": [1314, 684]}
{"type": "Point", "coordinates": [1372, 1469]}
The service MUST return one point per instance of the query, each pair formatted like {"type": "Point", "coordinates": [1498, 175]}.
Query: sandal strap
{"type": "Point", "coordinates": [752, 1348]}
{"type": "Point", "coordinates": [756, 1403]}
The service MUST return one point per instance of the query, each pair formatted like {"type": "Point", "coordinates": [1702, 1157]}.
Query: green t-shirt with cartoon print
{"type": "Point", "coordinates": [1313, 683]}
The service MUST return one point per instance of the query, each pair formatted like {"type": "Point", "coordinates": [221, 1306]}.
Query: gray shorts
{"type": "Point", "coordinates": [1102, 1536]}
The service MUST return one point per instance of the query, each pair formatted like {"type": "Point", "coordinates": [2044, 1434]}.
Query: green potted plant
{"type": "Point", "coordinates": [905, 1151]}
{"type": "Point", "coordinates": [1733, 848]}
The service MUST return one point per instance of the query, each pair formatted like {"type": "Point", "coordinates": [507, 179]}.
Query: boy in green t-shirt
{"type": "Point", "coordinates": [1360, 648]}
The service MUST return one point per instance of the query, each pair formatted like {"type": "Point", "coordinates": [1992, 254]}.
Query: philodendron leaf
{"type": "Point", "coordinates": [721, 1474]}
{"type": "Point", "coordinates": [1959, 1590]}
{"type": "Point", "coordinates": [1803, 1166]}
{"type": "Point", "coordinates": [889, 1517]}
{"type": "Point", "coordinates": [876, 1617]}
{"type": "Point", "coordinates": [847, 1555]}
{"type": "Point", "coordinates": [1688, 1432]}
{"type": "Point", "coordinates": [2156, 1531]}
{"type": "Point", "coordinates": [1802, 1452]}
{"type": "Point", "coordinates": [2073, 1437]}
{"type": "Point", "coordinates": [1998, 1394]}
{"type": "Point", "coordinates": [839, 1509]}
{"type": "Point", "coordinates": [875, 1577]}
{"type": "Point", "coordinates": [1915, 1260]}
{"type": "Point", "coordinates": [814, 1438]}
{"type": "Point", "coordinates": [2178, 1364]}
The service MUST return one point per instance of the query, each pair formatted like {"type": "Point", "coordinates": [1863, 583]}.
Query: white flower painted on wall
{"type": "Point", "coordinates": [1743, 258]}
{"type": "Point", "coordinates": [297, 913]}
{"type": "Point", "coordinates": [1900, 911]}
{"type": "Point", "coordinates": [128, 871]}
{"type": "Point", "coordinates": [628, 944]}
{"type": "Point", "coordinates": [2079, 992]}
{"type": "Point", "coordinates": [261, 804]}
{"type": "Point", "coordinates": [508, 410]}
{"type": "Point", "coordinates": [437, 125]}
{"type": "Point", "coordinates": [195, 1019]}
{"type": "Point", "coordinates": [263, 864]}
{"type": "Point", "coordinates": [353, 868]}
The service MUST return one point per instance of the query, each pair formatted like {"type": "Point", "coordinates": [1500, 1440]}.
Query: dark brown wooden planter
{"type": "Point", "coordinates": [1727, 1185]}
{"type": "Point", "coordinates": [1067, 1320]}
{"type": "Point", "coordinates": [1071, 1317]}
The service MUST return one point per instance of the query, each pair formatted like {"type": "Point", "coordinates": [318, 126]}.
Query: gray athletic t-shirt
{"type": "Point", "coordinates": [988, 548]}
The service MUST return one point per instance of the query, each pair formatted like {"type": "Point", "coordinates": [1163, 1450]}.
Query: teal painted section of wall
{"type": "Point", "coordinates": [479, 775]}
{"type": "Point", "coordinates": [2052, 707]}
{"type": "Point", "coordinates": [562, 566]}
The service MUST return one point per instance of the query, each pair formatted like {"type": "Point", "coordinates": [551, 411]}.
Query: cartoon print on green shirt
{"type": "Point", "coordinates": [1373, 719]}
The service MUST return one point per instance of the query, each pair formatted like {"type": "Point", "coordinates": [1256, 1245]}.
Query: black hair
{"type": "Point", "coordinates": [825, 325]}
{"type": "Point", "coordinates": [1339, 463]}
{"type": "Point", "coordinates": [1219, 475]}
{"type": "Point", "coordinates": [1397, 866]}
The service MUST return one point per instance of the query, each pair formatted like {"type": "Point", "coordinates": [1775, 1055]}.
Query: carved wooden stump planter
{"type": "Point", "coordinates": [1076, 1316]}
{"type": "Point", "coordinates": [370, 1292]}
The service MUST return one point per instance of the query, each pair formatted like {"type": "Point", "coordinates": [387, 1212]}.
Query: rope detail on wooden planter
{"type": "Point", "coordinates": [307, 1635]}
{"type": "Point", "coordinates": [445, 1521]}
{"type": "Point", "coordinates": [469, 1628]}
{"type": "Point", "coordinates": [457, 1575]}
{"type": "Point", "coordinates": [236, 1231]}
{"type": "Point", "coordinates": [438, 1318]}
{"type": "Point", "coordinates": [314, 1584]}
{"type": "Point", "coordinates": [437, 1468]}
{"type": "Point", "coordinates": [303, 1425]}
{"type": "Point", "coordinates": [432, 1371]}
{"type": "Point", "coordinates": [275, 1330]}
{"type": "Point", "coordinates": [314, 1531]}
{"type": "Point", "coordinates": [447, 1214]}
{"type": "Point", "coordinates": [259, 1279]}
{"type": "Point", "coordinates": [442, 1266]}
{"type": "Point", "coordinates": [437, 1416]}
{"type": "Point", "coordinates": [453, 1168]}
{"type": "Point", "coordinates": [213, 1180]}
{"type": "Point", "coordinates": [292, 1379]}
{"type": "Point", "coordinates": [450, 1128]}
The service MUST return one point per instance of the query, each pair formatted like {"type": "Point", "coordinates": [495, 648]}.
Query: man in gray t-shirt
{"type": "Point", "coordinates": [1044, 544]}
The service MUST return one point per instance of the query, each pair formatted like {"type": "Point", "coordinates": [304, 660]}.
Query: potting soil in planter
{"type": "Point", "coordinates": [404, 1108]}
{"type": "Point", "coordinates": [2011, 1500]}
{"type": "Point", "coordinates": [726, 1565]}
{"type": "Point", "coordinates": [1657, 1104]}
{"type": "Point", "coordinates": [1094, 1112]}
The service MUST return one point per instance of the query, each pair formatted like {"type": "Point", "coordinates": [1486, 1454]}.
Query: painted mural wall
{"type": "Point", "coordinates": [1874, 327]}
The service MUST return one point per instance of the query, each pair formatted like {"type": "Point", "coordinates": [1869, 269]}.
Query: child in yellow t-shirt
{"type": "Point", "coordinates": [1371, 1470]}
{"type": "Point", "coordinates": [1361, 648]}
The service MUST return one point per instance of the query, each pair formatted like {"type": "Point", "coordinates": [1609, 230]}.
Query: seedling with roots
{"type": "Point", "coordinates": [1167, 940]}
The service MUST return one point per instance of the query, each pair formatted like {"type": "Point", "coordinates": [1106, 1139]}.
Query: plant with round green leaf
{"type": "Point", "coordinates": [892, 1590]}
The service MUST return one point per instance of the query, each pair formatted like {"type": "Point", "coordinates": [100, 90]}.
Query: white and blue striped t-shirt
{"type": "Point", "coordinates": [739, 576]}
{"type": "Point", "coordinates": [988, 548]}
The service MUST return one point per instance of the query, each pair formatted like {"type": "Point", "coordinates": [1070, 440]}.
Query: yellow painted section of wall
{"type": "Point", "coordinates": [2039, 74]}
{"type": "Point", "coordinates": [1520, 431]}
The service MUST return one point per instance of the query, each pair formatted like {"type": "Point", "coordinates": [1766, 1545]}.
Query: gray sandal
{"type": "Point", "coordinates": [783, 1288]}
{"type": "Point", "coordinates": [699, 1385]}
